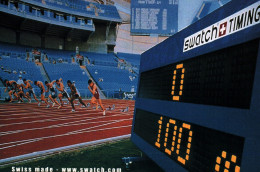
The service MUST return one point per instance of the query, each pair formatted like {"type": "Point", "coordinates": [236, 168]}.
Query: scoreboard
{"type": "Point", "coordinates": [198, 99]}
{"type": "Point", "coordinates": [154, 17]}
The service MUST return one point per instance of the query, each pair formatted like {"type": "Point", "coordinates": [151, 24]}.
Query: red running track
{"type": "Point", "coordinates": [26, 128]}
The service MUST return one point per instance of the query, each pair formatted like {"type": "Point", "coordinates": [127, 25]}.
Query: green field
{"type": "Point", "coordinates": [109, 156]}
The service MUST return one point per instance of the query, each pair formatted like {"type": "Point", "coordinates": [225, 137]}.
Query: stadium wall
{"type": "Point", "coordinates": [98, 41]}
{"type": "Point", "coordinates": [30, 39]}
{"type": "Point", "coordinates": [127, 43]}
{"type": "Point", "coordinates": [7, 35]}
{"type": "Point", "coordinates": [54, 42]}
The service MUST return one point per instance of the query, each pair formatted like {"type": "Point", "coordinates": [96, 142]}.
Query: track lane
{"type": "Point", "coordinates": [27, 129]}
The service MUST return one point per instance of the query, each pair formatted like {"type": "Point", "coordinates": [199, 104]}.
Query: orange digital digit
{"type": "Point", "coordinates": [226, 163]}
{"type": "Point", "coordinates": [157, 143]}
{"type": "Point", "coordinates": [176, 139]}
{"type": "Point", "coordinates": [186, 158]}
{"type": "Point", "coordinates": [176, 96]}
{"type": "Point", "coordinates": [169, 151]}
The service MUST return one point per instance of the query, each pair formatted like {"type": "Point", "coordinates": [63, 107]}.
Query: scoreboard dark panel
{"type": "Point", "coordinates": [196, 148]}
{"type": "Point", "coordinates": [223, 78]}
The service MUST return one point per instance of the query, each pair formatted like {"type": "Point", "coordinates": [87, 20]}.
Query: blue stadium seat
{"type": "Point", "coordinates": [68, 72]}
{"type": "Point", "coordinates": [113, 78]}
{"type": "Point", "coordinates": [101, 59]}
{"type": "Point", "coordinates": [32, 72]}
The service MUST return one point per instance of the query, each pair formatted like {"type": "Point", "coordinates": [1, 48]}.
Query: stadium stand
{"type": "Point", "coordinates": [45, 25]}
{"type": "Point", "coordinates": [69, 72]}
{"type": "Point", "coordinates": [112, 78]}
{"type": "Point", "coordinates": [94, 10]}
{"type": "Point", "coordinates": [58, 54]}
{"type": "Point", "coordinates": [31, 11]}
{"type": "Point", "coordinates": [101, 59]}
{"type": "Point", "coordinates": [103, 68]}
{"type": "Point", "coordinates": [13, 51]}
{"type": "Point", "coordinates": [11, 68]}
{"type": "Point", "coordinates": [133, 59]}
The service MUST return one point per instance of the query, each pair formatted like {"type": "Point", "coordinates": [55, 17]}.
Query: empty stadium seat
{"type": "Point", "coordinates": [70, 72]}
{"type": "Point", "coordinates": [113, 78]}
{"type": "Point", "coordinates": [13, 64]}
{"type": "Point", "coordinates": [101, 59]}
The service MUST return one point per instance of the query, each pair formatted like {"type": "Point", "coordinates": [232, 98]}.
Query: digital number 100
{"type": "Point", "coordinates": [222, 162]}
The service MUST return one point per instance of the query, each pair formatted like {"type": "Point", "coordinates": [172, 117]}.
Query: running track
{"type": "Point", "coordinates": [26, 128]}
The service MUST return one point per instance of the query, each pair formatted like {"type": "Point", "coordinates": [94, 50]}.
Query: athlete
{"type": "Point", "coordinates": [42, 88]}
{"type": "Point", "coordinates": [74, 95]}
{"type": "Point", "coordinates": [11, 88]}
{"type": "Point", "coordinates": [95, 99]}
{"type": "Point", "coordinates": [30, 91]}
{"type": "Point", "coordinates": [20, 92]}
{"type": "Point", "coordinates": [61, 89]}
{"type": "Point", "coordinates": [74, 83]}
{"type": "Point", "coordinates": [53, 93]}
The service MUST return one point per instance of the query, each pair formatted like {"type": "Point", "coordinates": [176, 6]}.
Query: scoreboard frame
{"type": "Point", "coordinates": [235, 121]}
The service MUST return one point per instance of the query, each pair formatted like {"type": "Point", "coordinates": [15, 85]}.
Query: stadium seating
{"type": "Point", "coordinates": [11, 68]}
{"type": "Point", "coordinates": [13, 51]}
{"type": "Point", "coordinates": [82, 6]}
{"type": "Point", "coordinates": [58, 54]}
{"type": "Point", "coordinates": [112, 78]}
{"type": "Point", "coordinates": [101, 59]}
{"type": "Point", "coordinates": [134, 59]}
{"type": "Point", "coordinates": [68, 72]}
{"type": "Point", "coordinates": [102, 67]}
{"type": "Point", "coordinates": [24, 10]}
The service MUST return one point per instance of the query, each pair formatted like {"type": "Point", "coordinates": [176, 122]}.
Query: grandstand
{"type": "Point", "coordinates": [111, 78]}
{"type": "Point", "coordinates": [13, 51]}
{"type": "Point", "coordinates": [56, 55]}
{"type": "Point", "coordinates": [133, 59]}
{"type": "Point", "coordinates": [69, 72]}
{"type": "Point", "coordinates": [101, 59]}
{"type": "Point", "coordinates": [71, 39]}
{"type": "Point", "coordinates": [107, 70]}
{"type": "Point", "coordinates": [12, 68]}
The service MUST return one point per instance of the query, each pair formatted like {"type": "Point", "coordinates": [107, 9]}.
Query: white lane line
{"type": "Point", "coordinates": [74, 123]}
{"type": "Point", "coordinates": [67, 118]}
{"type": "Point", "coordinates": [21, 142]}
{"type": "Point", "coordinates": [57, 113]}
{"type": "Point", "coordinates": [59, 135]}
{"type": "Point", "coordinates": [38, 154]}
{"type": "Point", "coordinates": [35, 140]}
{"type": "Point", "coordinates": [25, 107]}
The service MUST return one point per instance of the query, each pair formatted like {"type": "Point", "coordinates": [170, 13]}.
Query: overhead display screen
{"type": "Point", "coordinates": [154, 17]}
{"type": "Point", "coordinates": [223, 78]}
{"type": "Point", "coordinates": [196, 148]}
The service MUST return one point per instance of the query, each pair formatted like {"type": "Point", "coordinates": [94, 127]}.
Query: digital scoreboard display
{"type": "Point", "coordinates": [154, 17]}
{"type": "Point", "coordinates": [198, 105]}
{"type": "Point", "coordinates": [195, 147]}
{"type": "Point", "coordinates": [224, 78]}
